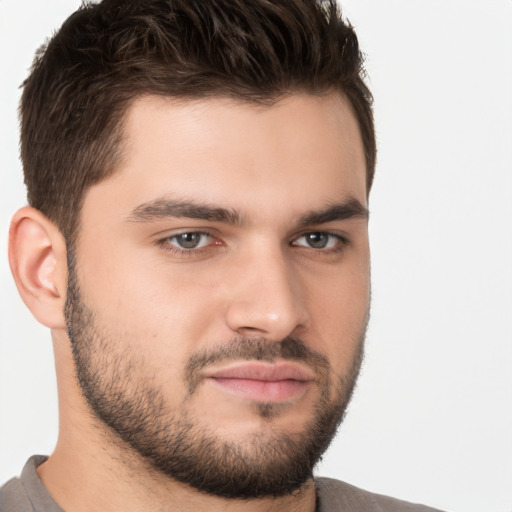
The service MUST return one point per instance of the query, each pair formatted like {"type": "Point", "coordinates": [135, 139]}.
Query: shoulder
{"type": "Point", "coordinates": [14, 498]}
{"type": "Point", "coordinates": [27, 493]}
{"type": "Point", "coordinates": [334, 495]}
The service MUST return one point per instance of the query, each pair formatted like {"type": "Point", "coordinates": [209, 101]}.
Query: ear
{"type": "Point", "coordinates": [37, 256]}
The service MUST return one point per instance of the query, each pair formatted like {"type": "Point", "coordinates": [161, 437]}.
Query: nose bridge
{"type": "Point", "coordinates": [266, 299]}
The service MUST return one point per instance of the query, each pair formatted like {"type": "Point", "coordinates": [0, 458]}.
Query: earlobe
{"type": "Point", "coordinates": [37, 256]}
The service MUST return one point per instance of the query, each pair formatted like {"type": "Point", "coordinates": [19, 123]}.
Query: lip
{"type": "Point", "coordinates": [262, 382]}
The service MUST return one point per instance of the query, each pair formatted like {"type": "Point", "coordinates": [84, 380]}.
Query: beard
{"type": "Point", "coordinates": [121, 391]}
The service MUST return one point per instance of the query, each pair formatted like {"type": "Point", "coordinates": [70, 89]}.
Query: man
{"type": "Point", "coordinates": [198, 177]}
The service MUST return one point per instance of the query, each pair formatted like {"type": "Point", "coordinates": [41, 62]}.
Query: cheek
{"type": "Point", "coordinates": [137, 285]}
{"type": "Point", "coordinates": [158, 313]}
{"type": "Point", "coordinates": [341, 310]}
{"type": "Point", "coordinates": [339, 314]}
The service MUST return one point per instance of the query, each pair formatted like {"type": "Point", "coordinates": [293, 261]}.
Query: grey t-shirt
{"type": "Point", "coordinates": [28, 494]}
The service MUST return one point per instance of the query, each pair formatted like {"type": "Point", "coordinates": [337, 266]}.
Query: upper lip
{"type": "Point", "coordinates": [263, 371]}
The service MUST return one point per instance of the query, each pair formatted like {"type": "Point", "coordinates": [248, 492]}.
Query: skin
{"type": "Point", "coordinates": [255, 278]}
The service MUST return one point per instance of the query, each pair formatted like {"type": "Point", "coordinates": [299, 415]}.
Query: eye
{"type": "Point", "coordinates": [319, 240]}
{"type": "Point", "coordinates": [190, 240]}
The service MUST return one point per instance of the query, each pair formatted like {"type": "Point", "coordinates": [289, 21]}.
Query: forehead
{"type": "Point", "coordinates": [301, 150]}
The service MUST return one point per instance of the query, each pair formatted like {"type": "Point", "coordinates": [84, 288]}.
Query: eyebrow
{"type": "Point", "coordinates": [341, 211]}
{"type": "Point", "coordinates": [163, 208]}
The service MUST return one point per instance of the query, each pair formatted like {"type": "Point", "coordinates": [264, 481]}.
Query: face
{"type": "Point", "coordinates": [219, 289]}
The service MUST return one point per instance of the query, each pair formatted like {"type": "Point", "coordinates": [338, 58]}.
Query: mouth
{"type": "Point", "coordinates": [263, 382]}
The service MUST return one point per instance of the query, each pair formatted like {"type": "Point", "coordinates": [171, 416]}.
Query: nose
{"type": "Point", "coordinates": [266, 297]}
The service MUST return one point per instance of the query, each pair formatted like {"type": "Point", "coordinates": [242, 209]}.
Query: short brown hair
{"type": "Point", "coordinates": [106, 54]}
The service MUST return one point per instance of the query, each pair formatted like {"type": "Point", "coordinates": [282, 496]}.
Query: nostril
{"type": "Point", "coordinates": [250, 330]}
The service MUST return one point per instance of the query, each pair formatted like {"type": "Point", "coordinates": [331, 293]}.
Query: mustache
{"type": "Point", "coordinates": [255, 349]}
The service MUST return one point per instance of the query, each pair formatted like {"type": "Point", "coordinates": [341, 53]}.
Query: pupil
{"type": "Point", "coordinates": [189, 240]}
{"type": "Point", "coordinates": [317, 240]}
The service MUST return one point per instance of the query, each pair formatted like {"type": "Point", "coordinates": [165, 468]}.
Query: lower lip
{"type": "Point", "coordinates": [263, 391]}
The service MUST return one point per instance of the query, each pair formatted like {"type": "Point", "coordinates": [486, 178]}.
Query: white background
{"type": "Point", "coordinates": [432, 416]}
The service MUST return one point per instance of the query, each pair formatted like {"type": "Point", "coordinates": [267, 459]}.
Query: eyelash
{"type": "Point", "coordinates": [168, 246]}
{"type": "Point", "coordinates": [342, 243]}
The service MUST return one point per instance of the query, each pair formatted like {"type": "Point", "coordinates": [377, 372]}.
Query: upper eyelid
{"type": "Point", "coordinates": [166, 244]}
{"type": "Point", "coordinates": [161, 237]}
{"type": "Point", "coordinates": [341, 243]}
{"type": "Point", "coordinates": [336, 234]}
{"type": "Point", "coordinates": [213, 233]}
{"type": "Point", "coordinates": [174, 235]}
{"type": "Point", "coordinates": [169, 233]}
{"type": "Point", "coordinates": [187, 232]}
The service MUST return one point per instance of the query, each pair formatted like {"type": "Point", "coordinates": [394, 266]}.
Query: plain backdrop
{"type": "Point", "coordinates": [431, 420]}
